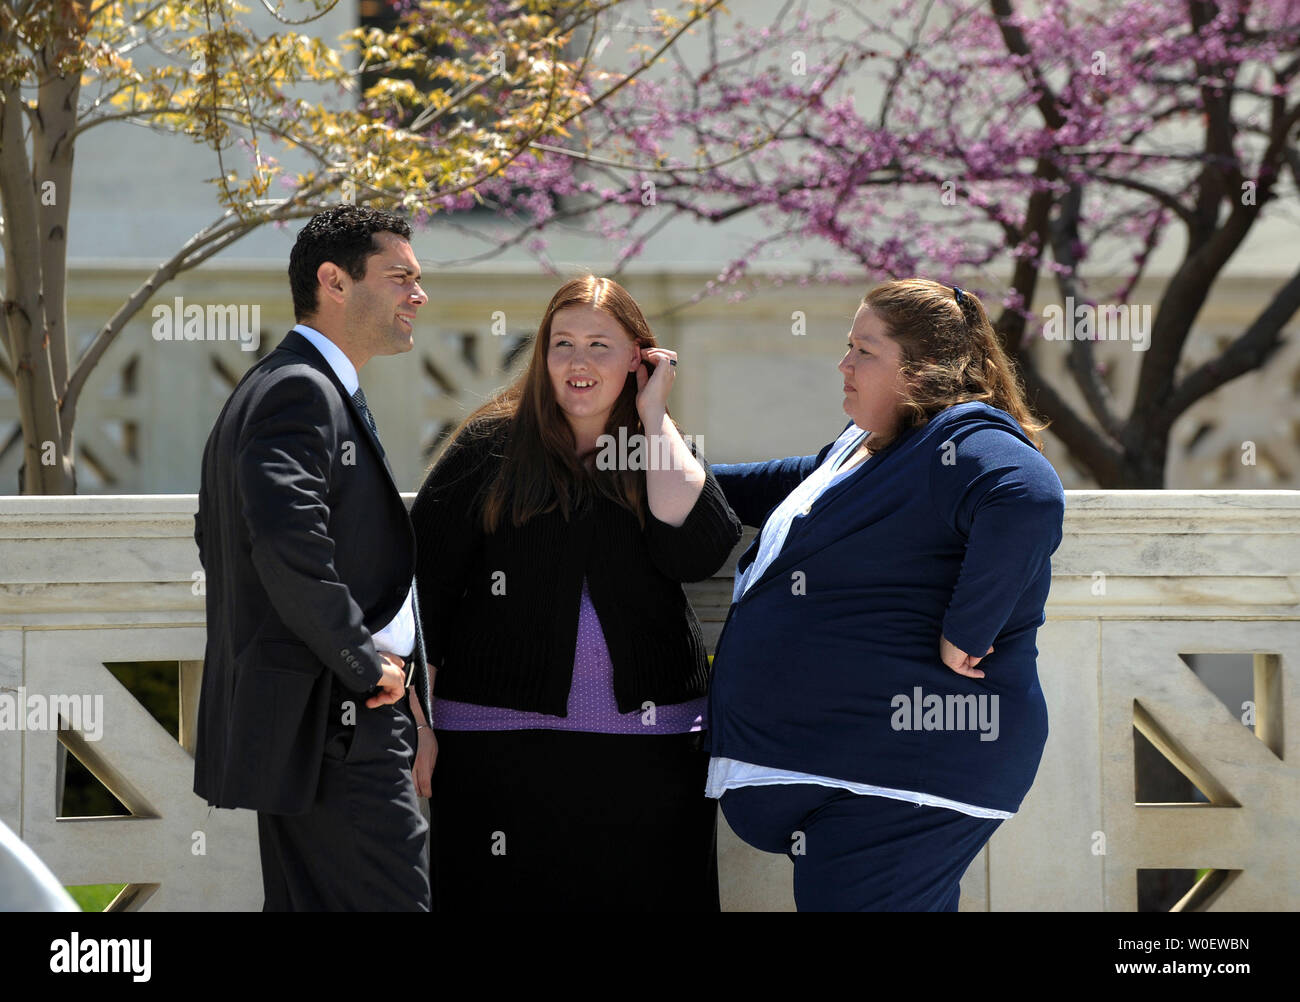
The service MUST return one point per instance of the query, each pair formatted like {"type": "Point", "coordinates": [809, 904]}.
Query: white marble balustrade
{"type": "Point", "coordinates": [1140, 578]}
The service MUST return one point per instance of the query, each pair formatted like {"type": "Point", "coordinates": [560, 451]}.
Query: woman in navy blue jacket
{"type": "Point", "coordinates": [875, 711]}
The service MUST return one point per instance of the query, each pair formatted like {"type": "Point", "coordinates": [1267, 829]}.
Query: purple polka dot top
{"type": "Point", "coordinates": [591, 707]}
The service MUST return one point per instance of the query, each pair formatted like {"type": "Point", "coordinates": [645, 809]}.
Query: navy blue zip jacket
{"type": "Point", "coordinates": [829, 664]}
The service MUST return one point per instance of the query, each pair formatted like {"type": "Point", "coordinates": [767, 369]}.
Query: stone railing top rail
{"type": "Point", "coordinates": [76, 506]}
{"type": "Point", "coordinates": [118, 559]}
{"type": "Point", "coordinates": [1086, 513]}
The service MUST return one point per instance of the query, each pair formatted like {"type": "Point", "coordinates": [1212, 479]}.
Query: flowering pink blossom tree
{"type": "Point", "coordinates": [1028, 149]}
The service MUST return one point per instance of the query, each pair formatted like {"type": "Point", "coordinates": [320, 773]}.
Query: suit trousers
{"type": "Point", "coordinates": [364, 844]}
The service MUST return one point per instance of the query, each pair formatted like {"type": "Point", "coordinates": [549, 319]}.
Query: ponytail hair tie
{"type": "Point", "coordinates": [959, 295]}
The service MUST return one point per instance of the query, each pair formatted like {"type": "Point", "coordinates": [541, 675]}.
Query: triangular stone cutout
{"type": "Point", "coordinates": [132, 897]}
{"type": "Point", "coordinates": [84, 796]}
{"type": "Point", "coordinates": [95, 897]}
{"type": "Point", "coordinates": [1160, 889]}
{"type": "Point", "coordinates": [1156, 780]}
{"type": "Point", "coordinates": [1181, 758]}
{"type": "Point", "coordinates": [1207, 889]}
{"type": "Point", "coordinates": [1250, 686]}
{"type": "Point", "coordinates": [1181, 889]}
{"type": "Point", "coordinates": [117, 784]}
{"type": "Point", "coordinates": [155, 686]}
{"type": "Point", "coordinates": [90, 788]}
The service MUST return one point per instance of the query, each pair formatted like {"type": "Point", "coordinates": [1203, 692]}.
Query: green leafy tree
{"type": "Point", "coordinates": [503, 79]}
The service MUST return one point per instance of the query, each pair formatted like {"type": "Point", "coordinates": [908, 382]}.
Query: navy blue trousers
{"type": "Point", "coordinates": [859, 853]}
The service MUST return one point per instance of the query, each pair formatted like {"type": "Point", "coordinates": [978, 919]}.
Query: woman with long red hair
{"type": "Point", "coordinates": [554, 533]}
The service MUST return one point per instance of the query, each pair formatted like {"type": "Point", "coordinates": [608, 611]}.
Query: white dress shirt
{"type": "Point", "coordinates": [398, 637]}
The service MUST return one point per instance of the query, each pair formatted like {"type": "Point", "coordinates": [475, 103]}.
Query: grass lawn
{"type": "Point", "coordinates": [94, 897]}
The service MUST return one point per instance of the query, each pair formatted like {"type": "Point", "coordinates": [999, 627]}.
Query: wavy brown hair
{"type": "Point", "coordinates": [542, 469]}
{"type": "Point", "coordinates": [950, 354]}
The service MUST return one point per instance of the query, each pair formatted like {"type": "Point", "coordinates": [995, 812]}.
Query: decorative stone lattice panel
{"type": "Point", "coordinates": [1247, 831]}
{"type": "Point", "coordinates": [155, 850]}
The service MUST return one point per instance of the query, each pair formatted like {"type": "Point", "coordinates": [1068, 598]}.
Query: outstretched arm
{"type": "Point", "coordinates": [754, 489]}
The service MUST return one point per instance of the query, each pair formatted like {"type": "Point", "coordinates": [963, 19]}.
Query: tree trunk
{"type": "Point", "coordinates": [36, 200]}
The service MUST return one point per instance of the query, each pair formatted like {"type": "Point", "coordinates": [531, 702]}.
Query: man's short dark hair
{"type": "Point", "coordinates": [343, 235]}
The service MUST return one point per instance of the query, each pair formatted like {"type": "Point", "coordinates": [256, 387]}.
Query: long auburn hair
{"type": "Point", "coordinates": [950, 355]}
{"type": "Point", "coordinates": [542, 469]}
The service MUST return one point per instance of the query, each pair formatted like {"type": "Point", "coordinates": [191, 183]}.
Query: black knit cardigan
{"type": "Point", "coordinates": [500, 610]}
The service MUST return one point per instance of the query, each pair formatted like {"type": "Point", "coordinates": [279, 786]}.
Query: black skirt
{"type": "Point", "coordinates": [543, 820]}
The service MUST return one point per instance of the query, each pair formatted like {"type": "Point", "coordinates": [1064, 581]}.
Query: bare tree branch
{"type": "Point", "coordinates": [1250, 351]}
{"type": "Point", "coordinates": [198, 248]}
{"type": "Point", "coordinates": [1082, 363]}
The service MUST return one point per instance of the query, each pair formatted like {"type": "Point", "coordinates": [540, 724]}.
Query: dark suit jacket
{"type": "Point", "coordinates": [308, 550]}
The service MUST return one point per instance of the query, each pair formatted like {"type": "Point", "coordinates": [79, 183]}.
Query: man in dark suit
{"type": "Point", "coordinates": [312, 636]}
